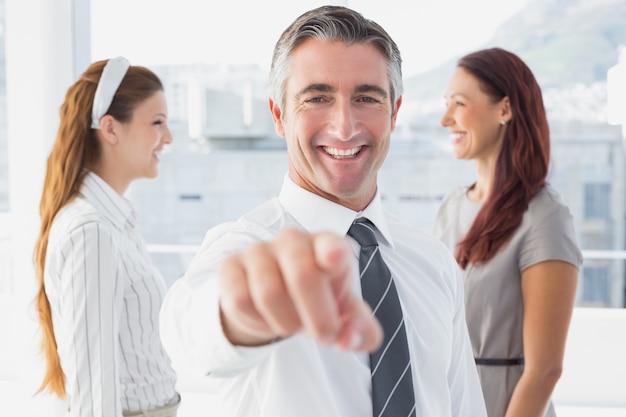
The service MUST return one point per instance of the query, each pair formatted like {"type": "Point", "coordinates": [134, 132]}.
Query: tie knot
{"type": "Point", "coordinates": [362, 230]}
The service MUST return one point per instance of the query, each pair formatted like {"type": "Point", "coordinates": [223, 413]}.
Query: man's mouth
{"type": "Point", "coordinates": [342, 153]}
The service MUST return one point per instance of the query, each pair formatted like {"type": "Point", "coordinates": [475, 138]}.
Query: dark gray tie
{"type": "Point", "coordinates": [392, 381]}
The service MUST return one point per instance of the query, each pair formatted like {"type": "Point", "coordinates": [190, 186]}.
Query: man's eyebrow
{"type": "Point", "coordinates": [326, 88]}
{"type": "Point", "coordinates": [316, 88]}
{"type": "Point", "coordinates": [368, 88]}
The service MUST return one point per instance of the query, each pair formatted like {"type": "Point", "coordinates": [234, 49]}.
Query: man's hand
{"type": "Point", "coordinates": [299, 282]}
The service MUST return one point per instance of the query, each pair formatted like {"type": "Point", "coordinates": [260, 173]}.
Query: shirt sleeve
{"type": "Point", "coordinates": [190, 325]}
{"type": "Point", "coordinates": [90, 304]}
{"type": "Point", "coordinates": [465, 390]}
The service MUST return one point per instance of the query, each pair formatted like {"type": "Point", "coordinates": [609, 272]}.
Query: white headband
{"type": "Point", "coordinates": [110, 80]}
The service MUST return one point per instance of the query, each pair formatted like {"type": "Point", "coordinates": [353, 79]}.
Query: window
{"type": "Point", "coordinates": [595, 287]}
{"type": "Point", "coordinates": [597, 201]}
{"type": "Point", "coordinates": [217, 94]}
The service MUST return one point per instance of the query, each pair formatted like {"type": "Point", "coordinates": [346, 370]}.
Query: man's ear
{"type": "Point", "coordinates": [277, 115]}
{"type": "Point", "coordinates": [394, 116]}
{"type": "Point", "coordinates": [109, 129]}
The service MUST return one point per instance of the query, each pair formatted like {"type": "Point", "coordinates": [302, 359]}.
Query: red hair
{"type": "Point", "coordinates": [522, 165]}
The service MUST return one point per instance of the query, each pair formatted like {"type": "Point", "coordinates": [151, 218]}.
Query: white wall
{"type": "Point", "coordinates": [38, 71]}
{"type": "Point", "coordinates": [595, 362]}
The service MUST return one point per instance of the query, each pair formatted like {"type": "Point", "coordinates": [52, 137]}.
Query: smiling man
{"type": "Point", "coordinates": [290, 315]}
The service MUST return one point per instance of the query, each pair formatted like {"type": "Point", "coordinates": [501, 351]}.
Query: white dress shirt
{"type": "Point", "coordinates": [105, 296]}
{"type": "Point", "coordinates": [299, 377]}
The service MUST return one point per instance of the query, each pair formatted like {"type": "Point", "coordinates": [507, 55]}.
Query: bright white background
{"type": "Point", "coordinates": [152, 32]}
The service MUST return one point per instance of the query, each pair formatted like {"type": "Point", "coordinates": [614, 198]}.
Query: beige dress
{"type": "Point", "coordinates": [493, 297]}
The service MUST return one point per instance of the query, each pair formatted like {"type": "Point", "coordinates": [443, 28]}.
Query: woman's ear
{"type": "Point", "coordinates": [505, 113]}
{"type": "Point", "coordinates": [109, 129]}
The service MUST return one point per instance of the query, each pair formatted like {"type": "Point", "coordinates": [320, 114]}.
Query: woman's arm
{"type": "Point", "coordinates": [90, 305]}
{"type": "Point", "coordinates": [548, 291]}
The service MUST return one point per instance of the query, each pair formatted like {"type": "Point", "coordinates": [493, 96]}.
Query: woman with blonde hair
{"type": "Point", "coordinates": [99, 294]}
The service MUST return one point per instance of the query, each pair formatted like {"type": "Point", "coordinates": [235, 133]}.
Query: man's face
{"type": "Point", "coordinates": [337, 119]}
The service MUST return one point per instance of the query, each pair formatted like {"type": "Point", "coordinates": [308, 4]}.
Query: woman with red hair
{"type": "Point", "coordinates": [511, 234]}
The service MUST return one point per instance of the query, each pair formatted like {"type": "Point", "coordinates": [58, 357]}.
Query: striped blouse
{"type": "Point", "coordinates": [105, 297]}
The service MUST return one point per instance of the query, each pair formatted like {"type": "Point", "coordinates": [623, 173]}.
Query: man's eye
{"type": "Point", "coordinates": [369, 100]}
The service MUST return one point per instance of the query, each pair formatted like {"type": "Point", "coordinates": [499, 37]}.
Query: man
{"type": "Point", "coordinates": [272, 305]}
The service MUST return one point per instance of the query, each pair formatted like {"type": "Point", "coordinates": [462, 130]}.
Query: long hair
{"type": "Point", "coordinates": [523, 162]}
{"type": "Point", "coordinates": [333, 23]}
{"type": "Point", "coordinates": [75, 151]}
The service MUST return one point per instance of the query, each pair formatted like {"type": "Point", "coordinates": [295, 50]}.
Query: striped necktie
{"type": "Point", "coordinates": [392, 381]}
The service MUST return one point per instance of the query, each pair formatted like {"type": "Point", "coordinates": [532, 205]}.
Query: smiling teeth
{"type": "Point", "coordinates": [343, 153]}
{"type": "Point", "coordinates": [457, 136]}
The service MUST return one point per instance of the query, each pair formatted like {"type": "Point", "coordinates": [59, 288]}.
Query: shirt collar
{"type": "Point", "coordinates": [108, 202]}
{"type": "Point", "coordinates": [316, 214]}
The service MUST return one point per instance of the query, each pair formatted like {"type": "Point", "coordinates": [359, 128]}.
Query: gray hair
{"type": "Point", "coordinates": [333, 23]}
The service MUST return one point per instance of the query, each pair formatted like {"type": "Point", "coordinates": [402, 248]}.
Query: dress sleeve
{"type": "Point", "coordinates": [550, 237]}
{"type": "Point", "coordinates": [91, 303]}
